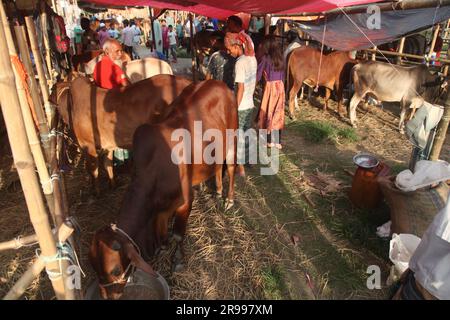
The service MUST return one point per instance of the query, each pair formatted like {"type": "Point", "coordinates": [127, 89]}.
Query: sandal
{"type": "Point", "coordinates": [278, 146]}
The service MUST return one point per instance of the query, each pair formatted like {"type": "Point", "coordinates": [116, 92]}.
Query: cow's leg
{"type": "Point", "coordinates": [327, 97]}
{"type": "Point", "coordinates": [219, 185]}
{"type": "Point", "coordinates": [292, 94]}
{"type": "Point", "coordinates": [401, 122]}
{"type": "Point", "coordinates": [108, 163]}
{"type": "Point", "coordinates": [415, 104]}
{"type": "Point", "coordinates": [356, 99]}
{"type": "Point", "coordinates": [339, 94]}
{"type": "Point", "coordinates": [92, 167]}
{"type": "Point", "coordinates": [181, 218]}
{"type": "Point", "coordinates": [231, 168]}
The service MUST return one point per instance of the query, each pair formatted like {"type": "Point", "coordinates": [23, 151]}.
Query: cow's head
{"type": "Point", "coordinates": [113, 257]}
{"type": "Point", "coordinates": [435, 87]}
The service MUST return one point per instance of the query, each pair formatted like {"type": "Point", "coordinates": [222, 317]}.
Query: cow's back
{"type": "Point", "coordinates": [387, 82]}
{"type": "Point", "coordinates": [305, 63]}
{"type": "Point", "coordinates": [138, 70]}
{"type": "Point", "coordinates": [108, 118]}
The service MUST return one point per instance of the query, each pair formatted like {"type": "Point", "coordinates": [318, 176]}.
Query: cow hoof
{"type": "Point", "coordinates": [354, 125]}
{"type": "Point", "coordinates": [177, 237]}
{"type": "Point", "coordinates": [229, 204]}
{"type": "Point", "coordinates": [178, 267]}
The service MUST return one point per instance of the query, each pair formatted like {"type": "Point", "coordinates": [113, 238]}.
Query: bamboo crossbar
{"type": "Point", "coordinates": [405, 55]}
{"type": "Point", "coordinates": [64, 232]}
{"type": "Point", "coordinates": [20, 242]}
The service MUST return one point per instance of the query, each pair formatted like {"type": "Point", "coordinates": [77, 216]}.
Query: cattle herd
{"type": "Point", "coordinates": [144, 116]}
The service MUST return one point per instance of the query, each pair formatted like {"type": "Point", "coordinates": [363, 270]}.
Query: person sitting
{"type": "Point", "coordinates": [108, 73]}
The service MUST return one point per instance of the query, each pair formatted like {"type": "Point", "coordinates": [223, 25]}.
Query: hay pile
{"type": "Point", "coordinates": [223, 258]}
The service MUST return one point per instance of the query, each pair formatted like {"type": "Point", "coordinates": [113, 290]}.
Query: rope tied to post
{"type": "Point", "coordinates": [64, 252]}
{"type": "Point", "coordinates": [48, 185]}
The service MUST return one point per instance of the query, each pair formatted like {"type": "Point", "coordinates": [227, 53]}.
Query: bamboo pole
{"type": "Point", "coordinates": [400, 50]}
{"type": "Point", "coordinates": [48, 56]}
{"type": "Point", "coordinates": [374, 55]}
{"type": "Point", "coordinates": [152, 26]}
{"type": "Point", "coordinates": [34, 91]}
{"type": "Point", "coordinates": [266, 24]}
{"type": "Point", "coordinates": [433, 42]}
{"type": "Point", "coordinates": [39, 67]}
{"type": "Point", "coordinates": [33, 140]}
{"type": "Point", "coordinates": [24, 163]}
{"type": "Point", "coordinates": [441, 131]}
{"type": "Point", "coordinates": [193, 48]}
{"type": "Point", "coordinates": [406, 55]}
{"type": "Point", "coordinates": [19, 242]}
{"type": "Point", "coordinates": [64, 232]}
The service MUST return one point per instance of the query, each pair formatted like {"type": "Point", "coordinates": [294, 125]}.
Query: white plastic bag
{"type": "Point", "coordinates": [401, 249]}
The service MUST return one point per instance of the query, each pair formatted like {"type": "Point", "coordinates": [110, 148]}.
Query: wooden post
{"type": "Point", "coordinates": [25, 166]}
{"type": "Point", "coordinates": [48, 56]}
{"type": "Point", "coordinates": [153, 47]}
{"type": "Point", "coordinates": [19, 242]}
{"type": "Point", "coordinates": [37, 101]}
{"type": "Point", "coordinates": [433, 42]}
{"type": "Point", "coordinates": [266, 24]}
{"type": "Point", "coordinates": [447, 26]}
{"type": "Point", "coordinates": [400, 50]}
{"type": "Point", "coordinates": [441, 131]}
{"type": "Point", "coordinates": [64, 232]}
{"type": "Point", "coordinates": [374, 55]}
{"type": "Point", "coordinates": [39, 67]}
{"type": "Point", "coordinates": [193, 50]}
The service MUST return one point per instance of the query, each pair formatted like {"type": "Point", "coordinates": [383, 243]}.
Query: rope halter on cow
{"type": "Point", "coordinates": [123, 278]}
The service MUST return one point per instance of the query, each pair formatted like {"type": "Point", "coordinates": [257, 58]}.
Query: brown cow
{"type": "Point", "coordinates": [303, 66]}
{"type": "Point", "coordinates": [162, 184]}
{"type": "Point", "coordinates": [104, 119]}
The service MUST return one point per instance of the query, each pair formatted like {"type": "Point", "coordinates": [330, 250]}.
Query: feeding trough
{"type": "Point", "coordinates": [140, 286]}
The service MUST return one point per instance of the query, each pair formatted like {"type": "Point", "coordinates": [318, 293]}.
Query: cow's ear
{"type": "Point", "coordinates": [138, 261]}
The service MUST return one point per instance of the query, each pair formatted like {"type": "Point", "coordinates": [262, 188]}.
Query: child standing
{"type": "Point", "coordinates": [173, 43]}
{"type": "Point", "coordinates": [245, 79]}
{"type": "Point", "coordinates": [271, 114]}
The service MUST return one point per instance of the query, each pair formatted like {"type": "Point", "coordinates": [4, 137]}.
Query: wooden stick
{"type": "Point", "coordinates": [36, 268]}
{"type": "Point", "coordinates": [405, 55]}
{"type": "Point", "coordinates": [39, 67]}
{"type": "Point", "coordinates": [19, 242]}
{"type": "Point", "coordinates": [34, 89]}
{"type": "Point", "coordinates": [433, 42]}
{"type": "Point", "coordinates": [441, 131]}
{"type": "Point", "coordinates": [28, 121]}
{"type": "Point", "coordinates": [193, 49]}
{"type": "Point", "coordinates": [48, 56]}
{"type": "Point", "coordinates": [374, 56]}
{"type": "Point", "coordinates": [400, 50]}
{"type": "Point", "coordinates": [23, 161]}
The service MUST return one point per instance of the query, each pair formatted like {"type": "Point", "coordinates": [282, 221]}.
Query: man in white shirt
{"type": "Point", "coordinates": [431, 260]}
{"type": "Point", "coordinates": [127, 38]}
{"type": "Point", "coordinates": [245, 79]}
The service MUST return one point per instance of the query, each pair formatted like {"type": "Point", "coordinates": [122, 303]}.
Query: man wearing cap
{"type": "Point", "coordinates": [108, 73]}
{"type": "Point", "coordinates": [102, 34]}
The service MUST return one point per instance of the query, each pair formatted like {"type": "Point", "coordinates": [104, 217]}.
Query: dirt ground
{"type": "Point", "coordinates": [294, 235]}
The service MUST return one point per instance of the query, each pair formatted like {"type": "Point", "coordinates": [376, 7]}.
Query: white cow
{"type": "Point", "coordinates": [137, 70]}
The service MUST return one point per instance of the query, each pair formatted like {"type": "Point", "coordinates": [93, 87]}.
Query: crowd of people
{"type": "Point", "coordinates": [234, 60]}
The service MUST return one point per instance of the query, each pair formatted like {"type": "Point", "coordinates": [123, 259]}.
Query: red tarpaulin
{"type": "Point", "coordinates": [222, 9]}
